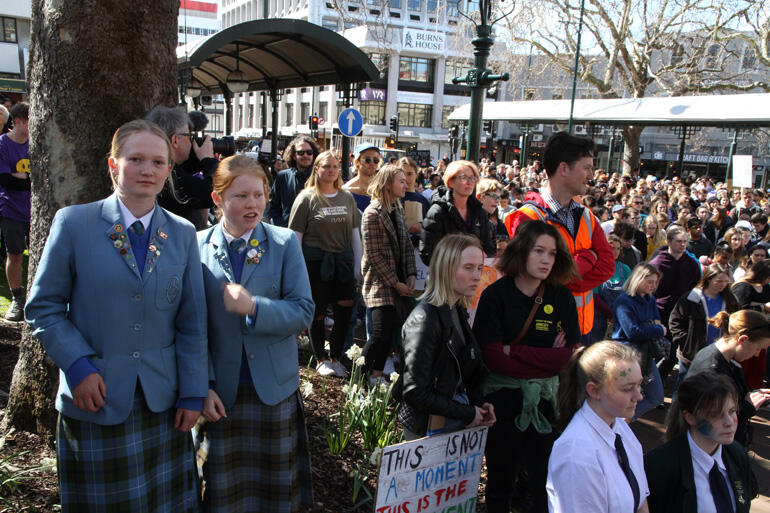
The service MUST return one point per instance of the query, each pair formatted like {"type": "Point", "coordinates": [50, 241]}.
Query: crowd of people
{"type": "Point", "coordinates": [608, 282]}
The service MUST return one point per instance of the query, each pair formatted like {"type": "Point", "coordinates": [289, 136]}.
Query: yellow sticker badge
{"type": "Point", "coordinates": [548, 309]}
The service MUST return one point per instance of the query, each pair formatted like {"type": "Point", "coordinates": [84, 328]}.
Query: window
{"type": "Point", "coordinates": [251, 121]}
{"type": "Point", "coordinates": [395, 4]}
{"type": "Point", "coordinates": [431, 4]}
{"type": "Point", "coordinates": [323, 109]}
{"type": "Point", "coordinates": [455, 69]}
{"type": "Point", "coordinates": [415, 114]}
{"type": "Point", "coordinates": [289, 117]}
{"type": "Point", "coordinates": [380, 60]}
{"type": "Point", "coordinates": [415, 69]}
{"type": "Point", "coordinates": [749, 59]}
{"type": "Point", "coordinates": [453, 8]}
{"type": "Point", "coordinates": [373, 112]}
{"type": "Point", "coordinates": [304, 112]}
{"type": "Point", "coordinates": [445, 112]}
{"type": "Point", "coordinates": [329, 23]}
{"type": "Point", "coordinates": [677, 54]}
{"type": "Point", "coordinates": [414, 5]}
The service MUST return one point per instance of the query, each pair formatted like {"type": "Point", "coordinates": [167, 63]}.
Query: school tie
{"type": "Point", "coordinates": [719, 491]}
{"type": "Point", "coordinates": [623, 460]}
{"type": "Point", "coordinates": [137, 227]}
{"type": "Point", "coordinates": [236, 245]}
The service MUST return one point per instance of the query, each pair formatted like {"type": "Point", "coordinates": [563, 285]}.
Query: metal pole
{"type": "Point", "coordinates": [228, 96]}
{"type": "Point", "coordinates": [681, 150]}
{"type": "Point", "coordinates": [575, 70]}
{"type": "Point", "coordinates": [733, 146]}
{"type": "Point", "coordinates": [481, 46]}
{"type": "Point", "coordinates": [345, 160]}
{"type": "Point", "coordinates": [609, 152]}
{"type": "Point", "coordinates": [274, 145]}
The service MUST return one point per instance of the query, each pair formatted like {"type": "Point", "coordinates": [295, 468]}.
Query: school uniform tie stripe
{"type": "Point", "coordinates": [236, 245]}
{"type": "Point", "coordinates": [623, 460]}
{"type": "Point", "coordinates": [719, 491]}
{"type": "Point", "coordinates": [137, 227]}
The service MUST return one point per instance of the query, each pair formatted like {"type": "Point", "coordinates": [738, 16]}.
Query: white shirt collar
{"type": "Point", "coordinates": [703, 459]}
{"type": "Point", "coordinates": [229, 237]}
{"type": "Point", "coordinates": [129, 218]}
{"type": "Point", "coordinates": [593, 419]}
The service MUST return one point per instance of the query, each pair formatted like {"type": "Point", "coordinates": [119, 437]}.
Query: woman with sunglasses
{"type": "Point", "coordinates": [745, 334]}
{"type": "Point", "coordinates": [326, 221]}
{"type": "Point", "coordinates": [455, 209]}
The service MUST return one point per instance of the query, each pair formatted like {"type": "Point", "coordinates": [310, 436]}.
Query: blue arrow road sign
{"type": "Point", "coordinates": [350, 122]}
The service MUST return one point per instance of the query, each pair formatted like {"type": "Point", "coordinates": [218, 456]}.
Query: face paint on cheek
{"type": "Point", "coordinates": [705, 428]}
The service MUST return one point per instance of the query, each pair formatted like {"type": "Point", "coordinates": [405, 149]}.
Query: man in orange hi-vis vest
{"type": "Point", "coordinates": [568, 162]}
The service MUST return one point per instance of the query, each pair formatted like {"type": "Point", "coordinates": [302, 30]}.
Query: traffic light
{"type": "Point", "coordinates": [394, 125]}
{"type": "Point", "coordinates": [488, 126]}
{"type": "Point", "coordinates": [390, 142]}
{"type": "Point", "coordinates": [313, 123]}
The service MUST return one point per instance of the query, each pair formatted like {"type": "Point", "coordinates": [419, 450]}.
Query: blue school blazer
{"type": "Point", "coordinates": [88, 299]}
{"type": "Point", "coordinates": [285, 307]}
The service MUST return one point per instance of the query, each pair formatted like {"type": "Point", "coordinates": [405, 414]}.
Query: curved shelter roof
{"type": "Point", "coordinates": [730, 110]}
{"type": "Point", "coordinates": [276, 54]}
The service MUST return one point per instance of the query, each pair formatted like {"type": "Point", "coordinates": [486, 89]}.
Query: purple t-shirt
{"type": "Point", "coordinates": [14, 158]}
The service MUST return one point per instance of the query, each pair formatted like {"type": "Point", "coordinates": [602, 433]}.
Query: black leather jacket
{"type": "Point", "coordinates": [437, 366]}
{"type": "Point", "coordinates": [443, 218]}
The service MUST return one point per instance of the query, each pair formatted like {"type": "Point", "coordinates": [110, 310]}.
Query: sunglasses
{"type": "Point", "coordinates": [304, 152]}
{"type": "Point", "coordinates": [369, 160]}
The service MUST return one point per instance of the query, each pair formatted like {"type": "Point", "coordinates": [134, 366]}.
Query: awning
{"type": "Point", "coordinates": [276, 54]}
{"type": "Point", "coordinates": [731, 110]}
{"type": "Point", "coordinates": [12, 85]}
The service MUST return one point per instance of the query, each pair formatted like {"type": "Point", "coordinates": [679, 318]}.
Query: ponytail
{"type": "Point", "coordinates": [588, 364]}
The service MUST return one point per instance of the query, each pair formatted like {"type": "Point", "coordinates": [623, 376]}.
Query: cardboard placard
{"type": "Point", "coordinates": [742, 170]}
{"type": "Point", "coordinates": [432, 475]}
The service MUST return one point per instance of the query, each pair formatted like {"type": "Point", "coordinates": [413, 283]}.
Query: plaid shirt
{"type": "Point", "coordinates": [566, 215]}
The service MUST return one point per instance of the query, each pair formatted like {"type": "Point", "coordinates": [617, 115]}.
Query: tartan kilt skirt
{"type": "Point", "coordinates": [256, 459]}
{"type": "Point", "coordinates": [142, 465]}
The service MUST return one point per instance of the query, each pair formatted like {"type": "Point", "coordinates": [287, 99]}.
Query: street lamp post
{"type": "Point", "coordinates": [575, 70]}
{"type": "Point", "coordinates": [479, 78]}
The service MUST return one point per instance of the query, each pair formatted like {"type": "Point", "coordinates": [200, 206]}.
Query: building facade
{"type": "Point", "coordinates": [14, 47]}
{"type": "Point", "coordinates": [418, 46]}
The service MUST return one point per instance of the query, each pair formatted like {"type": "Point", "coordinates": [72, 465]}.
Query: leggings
{"type": "Point", "coordinates": [378, 346]}
{"type": "Point", "coordinates": [327, 293]}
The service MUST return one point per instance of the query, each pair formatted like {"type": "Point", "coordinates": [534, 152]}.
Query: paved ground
{"type": "Point", "coordinates": [649, 430]}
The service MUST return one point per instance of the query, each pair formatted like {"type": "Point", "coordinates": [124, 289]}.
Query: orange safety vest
{"type": "Point", "coordinates": [583, 240]}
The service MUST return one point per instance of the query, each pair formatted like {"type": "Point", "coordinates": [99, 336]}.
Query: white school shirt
{"type": "Point", "coordinates": [702, 462]}
{"type": "Point", "coordinates": [130, 218]}
{"type": "Point", "coordinates": [584, 475]}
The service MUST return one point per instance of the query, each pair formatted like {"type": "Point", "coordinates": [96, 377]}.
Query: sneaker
{"type": "Point", "coordinates": [15, 312]}
{"type": "Point", "coordinates": [388, 369]}
{"type": "Point", "coordinates": [375, 382]}
{"type": "Point", "coordinates": [325, 368]}
{"type": "Point", "coordinates": [339, 369]}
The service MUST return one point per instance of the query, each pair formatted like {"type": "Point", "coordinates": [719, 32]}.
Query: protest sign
{"type": "Point", "coordinates": [439, 474]}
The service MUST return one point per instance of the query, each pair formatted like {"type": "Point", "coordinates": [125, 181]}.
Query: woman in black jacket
{"type": "Point", "coordinates": [688, 324]}
{"type": "Point", "coordinates": [443, 369]}
{"type": "Point", "coordinates": [456, 210]}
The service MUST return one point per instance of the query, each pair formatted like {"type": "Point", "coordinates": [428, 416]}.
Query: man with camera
{"type": "Point", "coordinates": [189, 194]}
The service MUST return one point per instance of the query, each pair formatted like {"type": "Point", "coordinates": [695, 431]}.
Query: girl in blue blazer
{"type": "Point", "coordinates": [259, 299]}
{"type": "Point", "coordinates": [117, 302]}
{"type": "Point", "coordinates": [701, 469]}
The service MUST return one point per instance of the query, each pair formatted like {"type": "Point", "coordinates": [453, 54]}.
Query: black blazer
{"type": "Point", "coordinates": [672, 485]}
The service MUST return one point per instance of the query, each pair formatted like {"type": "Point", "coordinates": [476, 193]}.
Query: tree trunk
{"type": "Point", "coordinates": [631, 157]}
{"type": "Point", "coordinates": [93, 66]}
